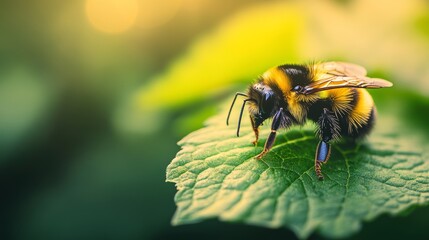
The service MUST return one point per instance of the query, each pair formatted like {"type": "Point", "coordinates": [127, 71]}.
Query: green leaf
{"type": "Point", "coordinates": [217, 176]}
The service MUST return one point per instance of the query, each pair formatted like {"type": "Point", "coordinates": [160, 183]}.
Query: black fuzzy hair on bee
{"type": "Point", "coordinates": [328, 126]}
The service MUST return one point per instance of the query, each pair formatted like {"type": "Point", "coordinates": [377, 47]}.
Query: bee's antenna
{"type": "Point", "coordinates": [241, 114]}
{"type": "Point", "coordinates": [232, 105]}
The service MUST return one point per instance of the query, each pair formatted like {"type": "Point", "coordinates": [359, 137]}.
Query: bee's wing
{"type": "Point", "coordinates": [341, 68]}
{"type": "Point", "coordinates": [342, 75]}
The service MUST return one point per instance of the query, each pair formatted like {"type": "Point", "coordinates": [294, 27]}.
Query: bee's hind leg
{"type": "Point", "coordinates": [328, 129]}
{"type": "Point", "coordinates": [323, 153]}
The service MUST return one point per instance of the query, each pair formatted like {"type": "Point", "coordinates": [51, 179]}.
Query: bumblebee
{"type": "Point", "coordinates": [331, 94]}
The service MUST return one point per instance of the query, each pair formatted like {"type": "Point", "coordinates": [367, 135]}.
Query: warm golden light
{"type": "Point", "coordinates": [112, 16]}
{"type": "Point", "coordinates": [156, 13]}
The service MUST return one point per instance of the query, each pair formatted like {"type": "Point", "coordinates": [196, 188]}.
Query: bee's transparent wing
{"type": "Point", "coordinates": [332, 75]}
{"type": "Point", "coordinates": [341, 68]}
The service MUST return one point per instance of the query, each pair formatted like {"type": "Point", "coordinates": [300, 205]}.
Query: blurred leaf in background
{"type": "Point", "coordinates": [24, 103]}
{"type": "Point", "coordinates": [92, 106]}
{"type": "Point", "coordinates": [234, 52]}
{"type": "Point", "coordinates": [244, 46]}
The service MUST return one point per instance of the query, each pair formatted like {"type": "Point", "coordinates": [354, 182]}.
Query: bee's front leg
{"type": "Point", "coordinates": [272, 137]}
{"type": "Point", "coordinates": [255, 130]}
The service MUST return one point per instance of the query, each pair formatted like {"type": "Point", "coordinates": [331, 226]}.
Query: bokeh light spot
{"type": "Point", "coordinates": [154, 14]}
{"type": "Point", "coordinates": [112, 16]}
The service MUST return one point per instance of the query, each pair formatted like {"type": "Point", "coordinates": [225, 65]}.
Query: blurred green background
{"type": "Point", "coordinates": [94, 95]}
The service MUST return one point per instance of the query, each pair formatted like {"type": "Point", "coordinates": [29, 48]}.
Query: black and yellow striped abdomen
{"type": "Point", "coordinates": [361, 118]}
{"type": "Point", "coordinates": [353, 107]}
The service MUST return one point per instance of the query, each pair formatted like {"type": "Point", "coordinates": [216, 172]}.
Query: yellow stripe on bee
{"type": "Point", "coordinates": [362, 110]}
{"type": "Point", "coordinates": [341, 99]}
{"type": "Point", "coordinates": [277, 77]}
{"type": "Point", "coordinates": [324, 94]}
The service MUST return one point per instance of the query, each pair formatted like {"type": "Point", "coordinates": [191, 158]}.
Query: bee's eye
{"type": "Point", "coordinates": [297, 88]}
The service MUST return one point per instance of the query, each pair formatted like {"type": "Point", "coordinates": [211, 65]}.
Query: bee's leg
{"type": "Point", "coordinates": [272, 137]}
{"type": "Point", "coordinates": [323, 152]}
{"type": "Point", "coordinates": [328, 128]}
{"type": "Point", "coordinates": [255, 130]}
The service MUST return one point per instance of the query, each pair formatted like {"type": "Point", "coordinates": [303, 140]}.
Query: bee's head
{"type": "Point", "coordinates": [262, 104]}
